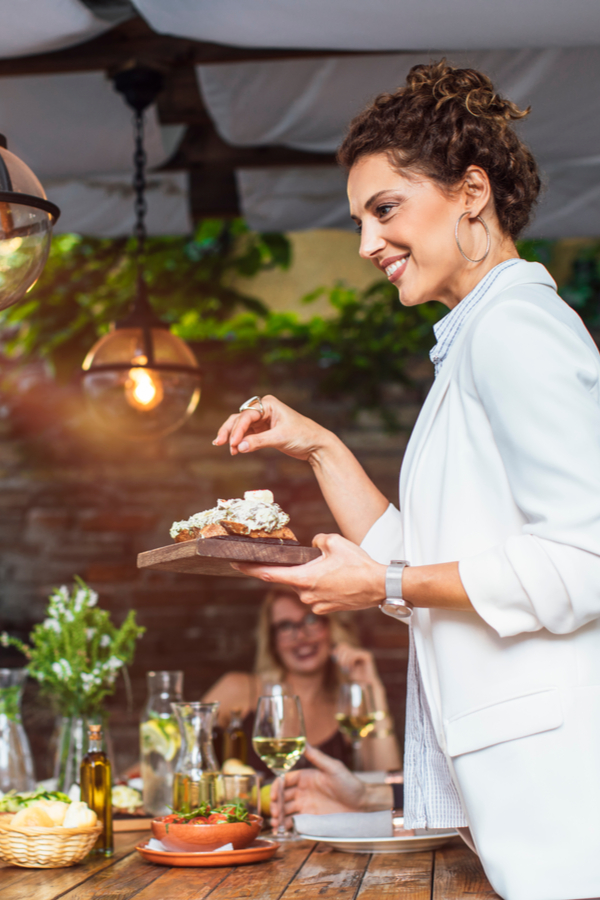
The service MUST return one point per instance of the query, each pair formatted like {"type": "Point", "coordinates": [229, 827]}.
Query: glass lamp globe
{"type": "Point", "coordinates": [141, 382]}
{"type": "Point", "coordinates": [26, 220]}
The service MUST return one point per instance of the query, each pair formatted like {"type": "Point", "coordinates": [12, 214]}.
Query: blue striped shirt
{"type": "Point", "coordinates": [448, 328]}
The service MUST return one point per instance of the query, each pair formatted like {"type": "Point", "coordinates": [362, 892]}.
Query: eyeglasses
{"type": "Point", "coordinates": [311, 624]}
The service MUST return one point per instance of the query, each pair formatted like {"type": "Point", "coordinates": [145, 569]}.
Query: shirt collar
{"type": "Point", "coordinates": [448, 328]}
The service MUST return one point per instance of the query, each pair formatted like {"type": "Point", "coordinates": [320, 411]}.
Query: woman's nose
{"type": "Point", "coordinates": [372, 241]}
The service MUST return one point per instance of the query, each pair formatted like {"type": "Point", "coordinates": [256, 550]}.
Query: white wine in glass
{"type": "Point", "coordinates": [279, 738]}
{"type": "Point", "coordinates": [356, 716]}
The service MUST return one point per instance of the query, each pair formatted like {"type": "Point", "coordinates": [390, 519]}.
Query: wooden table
{"type": "Point", "coordinates": [300, 871]}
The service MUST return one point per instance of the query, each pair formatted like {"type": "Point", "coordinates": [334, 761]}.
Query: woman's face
{"type": "Point", "coordinates": [407, 230]}
{"type": "Point", "coordinates": [302, 639]}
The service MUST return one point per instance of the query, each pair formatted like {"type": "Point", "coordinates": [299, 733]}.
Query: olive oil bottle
{"type": "Point", "coordinates": [96, 789]}
{"type": "Point", "coordinates": [235, 745]}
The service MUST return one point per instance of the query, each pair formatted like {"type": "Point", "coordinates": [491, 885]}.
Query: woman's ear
{"type": "Point", "coordinates": [476, 191]}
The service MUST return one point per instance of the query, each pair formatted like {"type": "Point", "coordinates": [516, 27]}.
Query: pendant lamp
{"type": "Point", "coordinates": [140, 380]}
{"type": "Point", "coordinates": [26, 220]}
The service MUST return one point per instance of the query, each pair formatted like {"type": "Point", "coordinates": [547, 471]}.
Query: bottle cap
{"type": "Point", "coordinates": [95, 731]}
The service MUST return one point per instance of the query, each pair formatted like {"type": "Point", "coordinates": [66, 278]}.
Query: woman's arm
{"type": "Point", "coordinates": [353, 499]}
{"type": "Point", "coordinates": [346, 577]}
{"type": "Point", "coordinates": [232, 691]}
{"type": "Point", "coordinates": [380, 751]}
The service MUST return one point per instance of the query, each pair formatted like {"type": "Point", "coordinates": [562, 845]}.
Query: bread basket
{"type": "Point", "coordinates": [45, 848]}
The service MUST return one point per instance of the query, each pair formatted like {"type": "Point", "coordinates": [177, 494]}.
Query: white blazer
{"type": "Point", "coordinates": [502, 473]}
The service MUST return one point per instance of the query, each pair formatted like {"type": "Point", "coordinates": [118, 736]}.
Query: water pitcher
{"type": "Point", "coordinates": [197, 777]}
{"type": "Point", "coordinates": [16, 764]}
{"type": "Point", "coordinates": [160, 740]}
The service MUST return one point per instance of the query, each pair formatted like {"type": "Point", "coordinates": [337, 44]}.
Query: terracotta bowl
{"type": "Point", "coordinates": [204, 838]}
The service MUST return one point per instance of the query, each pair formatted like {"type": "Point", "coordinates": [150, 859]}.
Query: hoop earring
{"type": "Point", "coordinates": [487, 231]}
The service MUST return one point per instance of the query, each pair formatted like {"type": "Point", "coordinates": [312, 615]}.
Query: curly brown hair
{"type": "Point", "coordinates": [444, 121]}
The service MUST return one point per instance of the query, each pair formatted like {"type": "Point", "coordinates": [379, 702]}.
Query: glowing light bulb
{"type": "Point", "coordinates": [143, 389]}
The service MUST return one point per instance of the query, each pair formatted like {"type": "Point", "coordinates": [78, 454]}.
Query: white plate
{"type": "Point", "coordinates": [410, 843]}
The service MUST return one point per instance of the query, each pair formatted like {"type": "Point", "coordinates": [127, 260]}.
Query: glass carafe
{"type": "Point", "coordinates": [197, 778]}
{"type": "Point", "coordinates": [160, 740]}
{"type": "Point", "coordinates": [16, 764]}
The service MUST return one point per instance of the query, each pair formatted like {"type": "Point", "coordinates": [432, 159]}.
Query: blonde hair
{"type": "Point", "coordinates": [267, 664]}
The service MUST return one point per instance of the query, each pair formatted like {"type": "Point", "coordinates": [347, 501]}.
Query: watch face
{"type": "Point", "coordinates": [398, 609]}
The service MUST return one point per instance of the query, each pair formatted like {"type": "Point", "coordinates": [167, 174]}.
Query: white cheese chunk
{"type": "Point", "coordinates": [261, 496]}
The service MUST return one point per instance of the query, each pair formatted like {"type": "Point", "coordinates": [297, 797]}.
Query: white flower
{"type": "Point", "coordinates": [89, 681]}
{"type": "Point", "coordinates": [4, 639]}
{"type": "Point", "coordinates": [105, 641]}
{"type": "Point", "coordinates": [80, 600]}
{"type": "Point", "coordinates": [69, 617]}
{"type": "Point", "coordinates": [92, 598]}
{"type": "Point", "coordinates": [62, 669]}
{"type": "Point", "coordinates": [89, 633]}
{"type": "Point", "coordinates": [113, 663]}
{"type": "Point", "coordinates": [52, 625]}
{"type": "Point", "coordinates": [62, 593]}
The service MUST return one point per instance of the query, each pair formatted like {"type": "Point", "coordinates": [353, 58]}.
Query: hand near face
{"type": "Point", "coordinates": [356, 663]}
{"type": "Point", "coordinates": [328, 788]}
{"type": "Point", "coordinates": [280, 427]}
{"type": "Point", "coordinates": [344, 577]}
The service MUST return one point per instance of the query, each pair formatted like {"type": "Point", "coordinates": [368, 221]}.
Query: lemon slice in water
{"type": "Point", "coordinates": [160, 737]}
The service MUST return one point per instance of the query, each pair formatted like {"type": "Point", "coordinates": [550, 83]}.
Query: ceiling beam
{"type": "Point", "coordinates": [135, 42]}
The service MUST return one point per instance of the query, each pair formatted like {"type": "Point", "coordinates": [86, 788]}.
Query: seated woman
{"type": "Point", "coordinates": [309, 655]}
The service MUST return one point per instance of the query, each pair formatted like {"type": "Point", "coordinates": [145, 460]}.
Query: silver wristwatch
{"type": "Point", "coordinates": [394, 604]}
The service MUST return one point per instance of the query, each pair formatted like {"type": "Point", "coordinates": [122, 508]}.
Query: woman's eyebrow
{"type": "Point", "coordinates": [372, 201]}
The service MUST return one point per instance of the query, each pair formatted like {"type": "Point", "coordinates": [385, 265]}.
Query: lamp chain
{"type": "Point", "coordinates": [139, 182]}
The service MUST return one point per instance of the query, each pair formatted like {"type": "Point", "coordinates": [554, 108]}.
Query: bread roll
{"type": "Point", "coordinates": [56, 809]}
{"type": "Point", "coordinates": [32, 816]}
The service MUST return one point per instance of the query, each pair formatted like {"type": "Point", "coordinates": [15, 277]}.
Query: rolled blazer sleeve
{"type": "Point", "coordinates": [537, 378]}
{"type": "Point", "coordinates": [384, 540]}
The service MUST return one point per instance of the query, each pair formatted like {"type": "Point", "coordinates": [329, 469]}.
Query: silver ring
{"type": "Point", "coordinates": [253, 403]}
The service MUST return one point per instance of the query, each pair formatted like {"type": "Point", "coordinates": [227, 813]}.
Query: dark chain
{"type": "Point", "coordinates": [139, 182]}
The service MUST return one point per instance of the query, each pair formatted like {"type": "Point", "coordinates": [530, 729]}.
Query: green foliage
{"type": "Point", "coordinates": [89, 283]}
{"type": "Point", "coordinates": [362, 346]}
{"type": "Point", "coordinates": [582, 291]}
{"type": "Point", "coordinates": [76, 653]}
{"type": "Point", "coordinates": [9, 702]}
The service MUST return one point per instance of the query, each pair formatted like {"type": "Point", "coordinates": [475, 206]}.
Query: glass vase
{"type": "Point", "coordinates": [160, 740]}
{"type": "Point", "coordinates": [72, 745]}
{"type": "Point", "coordinates": [16, 764]}
{"type": "Point", "coordinates": [197, 778]}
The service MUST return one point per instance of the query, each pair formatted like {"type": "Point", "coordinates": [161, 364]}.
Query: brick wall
{"type": "Point", "coordinates": [73, 500]}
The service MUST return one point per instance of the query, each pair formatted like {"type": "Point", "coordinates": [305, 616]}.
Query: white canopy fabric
{"type": "Point", "coordinates": [307, 104]}
{"type": "Point", "coordinates": [75, 132]}
{"type": "Point", "coordinates": [76, 129]}
{"type": "Point", "coordinates": [379, 24]}
{"type": "Point", "coordinates": [38, 26]}
{"type": "Point", "coordinates": [102, 206]}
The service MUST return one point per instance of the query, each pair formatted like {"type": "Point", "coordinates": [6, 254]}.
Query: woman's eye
{"type": "Point", "coordinates": [358, 229]}
{"type": "Point", "coordinates": [384, 210]}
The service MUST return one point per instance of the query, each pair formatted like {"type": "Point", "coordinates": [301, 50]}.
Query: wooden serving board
{"type": "Point", "coordinates": [213, 556]}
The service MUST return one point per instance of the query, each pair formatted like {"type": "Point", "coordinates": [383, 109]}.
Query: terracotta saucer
{"type": "Point", "coordinates": [256, 852]}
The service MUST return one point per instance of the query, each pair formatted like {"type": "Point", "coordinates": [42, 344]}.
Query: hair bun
{"type": "Point", "coordinates": [465, 87]}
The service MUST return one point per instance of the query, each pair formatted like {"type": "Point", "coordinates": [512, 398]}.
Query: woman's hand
{"type": "Point", "coordinates": [280, 427]}
{"type": "Point", "coordinates": [358, 664]}
{"type": "Point", "coordinates": [344, 577]}
{"type": "Point", "coordinates": [328, 788]}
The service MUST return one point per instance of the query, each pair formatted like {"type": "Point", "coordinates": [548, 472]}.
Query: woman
{"type": "Point", "coordinates": [499, 492]}
{"type": "Point", "coordinates": [310, 655]}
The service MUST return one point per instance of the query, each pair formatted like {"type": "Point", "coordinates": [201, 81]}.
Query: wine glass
{"type": "Point", "coordinates": [356, 716]}
{"type": "Point", "coordinates": [279, 738]}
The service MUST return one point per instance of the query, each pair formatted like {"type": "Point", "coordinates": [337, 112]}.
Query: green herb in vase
{"type": "Point", "coordinates": [75, 655]}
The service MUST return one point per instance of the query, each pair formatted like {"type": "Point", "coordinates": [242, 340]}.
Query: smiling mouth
{"type": "Point", "coordinates": [396, 269]}
{"type": "Point", "coordinates": [306, 651]}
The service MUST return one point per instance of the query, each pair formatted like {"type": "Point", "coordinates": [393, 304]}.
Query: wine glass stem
{"type": "Point", "coordinates": [281, 827]}
{"type": "Point", "coordinates": [356, 760]}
